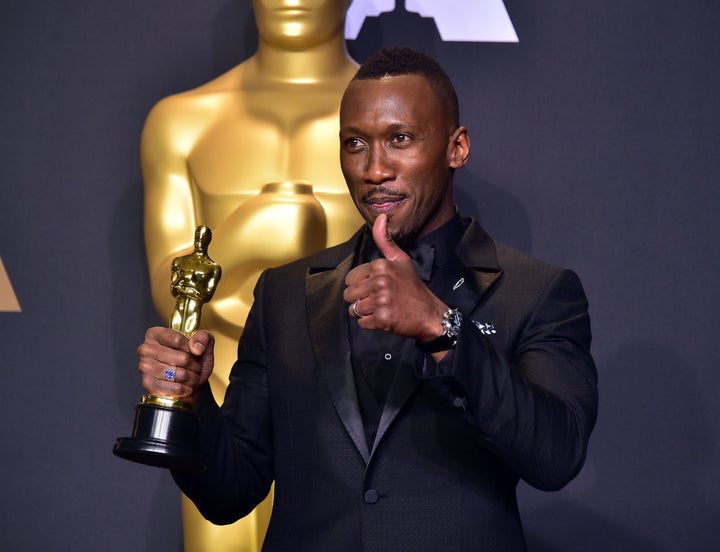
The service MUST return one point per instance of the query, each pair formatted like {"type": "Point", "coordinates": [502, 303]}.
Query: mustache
{"type": "Point", "coordinates": [382, 191]}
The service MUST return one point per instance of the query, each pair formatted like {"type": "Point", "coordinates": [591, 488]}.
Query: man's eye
{"type": "Point", "coordinates": [353, 143]}
{"type": "Point", "coordinates": [401, 138]}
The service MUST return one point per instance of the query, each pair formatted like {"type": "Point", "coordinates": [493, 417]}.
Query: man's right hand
{"type": "Point", "coordinates": [164, 351]}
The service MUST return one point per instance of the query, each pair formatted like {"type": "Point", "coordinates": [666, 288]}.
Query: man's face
{"type": "Point", "coordinates": [300, 23]}
{"type": "Point", "coordinates": [398, 149]}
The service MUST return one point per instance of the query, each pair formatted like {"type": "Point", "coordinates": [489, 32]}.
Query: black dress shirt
{"type": "Point", "coordinates": [378, 355]}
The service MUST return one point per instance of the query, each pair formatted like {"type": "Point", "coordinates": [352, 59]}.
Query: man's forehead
{"type": "Point", "coordinates": [386, 83]}
{"type": "Point", "coordinates": [387, 94]}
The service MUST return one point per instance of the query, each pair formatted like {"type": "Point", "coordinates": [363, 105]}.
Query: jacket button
{"type": "Point", "coordinates": [460, 402]}
{"type": "Point", "coordinates": [371, 496]}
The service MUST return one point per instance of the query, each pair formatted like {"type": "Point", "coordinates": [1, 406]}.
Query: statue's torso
{"type": "Point", "coordinates": [238, 141]}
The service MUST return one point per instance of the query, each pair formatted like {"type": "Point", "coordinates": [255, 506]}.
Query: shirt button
{"type": "Point", "coordinates": [460, 402]}
{"type": "Point", "coordinates": [388, 356]}
{"type": "Point", "coordinates": [371, 496]}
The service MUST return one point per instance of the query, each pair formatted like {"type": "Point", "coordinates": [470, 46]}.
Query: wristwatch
{"type": "Point", "coordinates": [451, 322]}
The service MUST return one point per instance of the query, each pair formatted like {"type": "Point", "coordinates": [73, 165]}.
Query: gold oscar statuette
{"type": "Point", "coordinates": [165, 429]}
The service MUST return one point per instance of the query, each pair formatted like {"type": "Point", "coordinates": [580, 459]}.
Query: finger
{"type": "Point", "coordinates": [155, 385]}
{"type": "Point", "coordinates": [158, 362]}
{"type": "Point", "coordinates": [202, 344]}
{"type": "Point", "coordinates": [358, 274]}
{"type": "Point", "coordinates": [177, 374]}
{"type": "Point", "coordinates": [154, 357]}
{"type": "Point", "coordinates": [357, 289]}
{"type": "Point", "coordinates": [356, 311]}
{"type": "Point", "coordinates": [384, 241]}
{"type": "Point", "coordinates": [171, 380]}
{"type": "Point", "coordinates": [167, 337]}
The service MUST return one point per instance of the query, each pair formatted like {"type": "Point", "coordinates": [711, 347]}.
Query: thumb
{"type": "Point", "coordinates": [202, 344]}
{"type": "Point", "coordinates": [384, 242]}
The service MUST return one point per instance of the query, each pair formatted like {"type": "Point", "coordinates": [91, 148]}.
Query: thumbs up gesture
{"type": "Point", "coordinates": [387, 294]}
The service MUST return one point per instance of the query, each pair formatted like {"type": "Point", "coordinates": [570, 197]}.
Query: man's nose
{"type": "Point", "coordinates": [378, 167]}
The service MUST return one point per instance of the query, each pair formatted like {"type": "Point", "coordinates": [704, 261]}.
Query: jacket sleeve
{"type": "Point", "coordinates": [237, 443]}
{"type": "Point", "coordinates": [535, 404]}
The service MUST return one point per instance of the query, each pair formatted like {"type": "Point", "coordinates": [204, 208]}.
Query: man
{"type": "Point", "coordinates": [395, 387]}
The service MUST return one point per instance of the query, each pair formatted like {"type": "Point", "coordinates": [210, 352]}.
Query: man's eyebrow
{"type": "Point", "coordinates": [349, 130]}
{"type": "Point", "coordinates": [400, 126]}
{"type": "Point", "coordinates": [392, 127]}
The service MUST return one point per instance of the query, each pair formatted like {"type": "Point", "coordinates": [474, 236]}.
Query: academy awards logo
{"type": "Point", "coordinates": [456, 20]}
{"type": "Point", "coordinates": [8, 301]}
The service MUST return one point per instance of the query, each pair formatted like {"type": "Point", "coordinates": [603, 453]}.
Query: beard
{"type": "Point", "coordinates": [404, 238]}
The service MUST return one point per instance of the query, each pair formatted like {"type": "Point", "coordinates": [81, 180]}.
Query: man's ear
{"type": "Point", "coordinates": [459, 148]}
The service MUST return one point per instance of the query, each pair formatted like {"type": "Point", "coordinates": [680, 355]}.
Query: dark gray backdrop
{"type": "Point", "coordinates": [596, 145]}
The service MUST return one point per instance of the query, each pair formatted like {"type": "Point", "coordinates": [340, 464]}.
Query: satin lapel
{"type": "Point", "coordinates": [328, 326]}
{"type": "Point", "coordinates": [470, 289]}
{"type": "Point", "coordinates": [477, 252]}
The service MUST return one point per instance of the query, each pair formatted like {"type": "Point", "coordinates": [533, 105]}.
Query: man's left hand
{"type": "Point", "coordinates": [387, 294]}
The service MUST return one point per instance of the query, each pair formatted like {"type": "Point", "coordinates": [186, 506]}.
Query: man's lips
{"type": "Point", "coordinates": [383, 199]}
{"type": "Point", "coordinates": [385, 203]}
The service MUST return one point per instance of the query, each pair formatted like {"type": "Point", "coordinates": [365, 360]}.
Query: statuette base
{"type": "Point", "coordinates": [163, 437]}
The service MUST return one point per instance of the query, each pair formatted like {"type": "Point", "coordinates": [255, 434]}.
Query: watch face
{"type": "Point", "coordinates": [453, 321]}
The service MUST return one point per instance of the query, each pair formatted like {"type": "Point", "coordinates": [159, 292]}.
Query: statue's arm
{"type": "Point", "coordinates": [169, 214]}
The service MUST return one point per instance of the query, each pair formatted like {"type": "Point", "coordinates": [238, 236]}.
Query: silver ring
{"type": "Point", "coordinates": [354, 309]}
{"type": "Point", "coordinates": [170, 374]}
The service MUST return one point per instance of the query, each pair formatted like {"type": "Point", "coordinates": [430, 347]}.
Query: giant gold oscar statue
{"type": "Point", "coordinates": [254, 155]}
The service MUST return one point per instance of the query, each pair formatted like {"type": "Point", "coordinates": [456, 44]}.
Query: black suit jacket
{"type": "Point", "coordinates": [516, 399]}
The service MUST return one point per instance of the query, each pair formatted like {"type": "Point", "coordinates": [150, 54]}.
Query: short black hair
{"type": "Point", "coordinates": [403, 60]}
